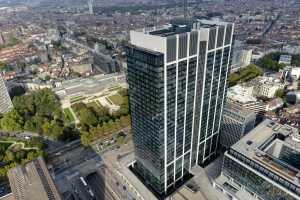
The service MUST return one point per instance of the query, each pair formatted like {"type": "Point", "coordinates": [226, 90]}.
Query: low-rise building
{"type": "Point", "coordinates": [242, 96]}
{"type": "Point", "coordinates": [285, 59]}
{"type": "Point", "coordinates": [295, 73]}
{"type": "Point", "coordinates": [87, 87]}
{"type": "Point", "coordinates": [275, 104]}
{"type": "Point", "coordinates": [241, 58]}
{"type": "Point", "coordinates": [266, 86]}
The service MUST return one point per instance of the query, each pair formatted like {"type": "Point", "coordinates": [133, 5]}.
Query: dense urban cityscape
{"type": "Point", "coordinates": [149, 100]}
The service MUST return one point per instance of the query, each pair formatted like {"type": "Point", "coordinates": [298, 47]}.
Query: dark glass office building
{"type": "Point", "coordinates": [177, 84]}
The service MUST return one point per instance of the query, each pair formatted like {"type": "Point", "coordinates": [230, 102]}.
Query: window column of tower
{"type": "Point", "coordinates": [193, 51]}
{"type": "Point", "coordinates": [214, 95]}
{"type": "Point", "coordinates": [190, 103]}
{"type": "Point", "coordinates": [199, 93]}
{"type": "Point", "coordinates": [227, 58]}
{"type": "Point", "coordinates": [180, 104]}
{"type": "Point", "coordinates": [205, 105]}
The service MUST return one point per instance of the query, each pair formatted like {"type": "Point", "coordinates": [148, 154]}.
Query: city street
{"type": "Point", "coordinates": [80, 171]}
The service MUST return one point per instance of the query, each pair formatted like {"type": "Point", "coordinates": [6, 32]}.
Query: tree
{"type": "Point", "coordinates": [9, 156]}
{"type": "Point", "coordinates": [47, 78]}
{"type": "Point", "coordinates": [270, 61]}
{"type": "Point", "coordinates": [244, 75]}
{"type": "Point", "coordinates": [53, 129]}
{"type": "Point", "coordinates": [70, 133]}
{"type": "Point", "coordinates": [84, 138]}
{"type": "Point", "coordinates": [56, 129]}
{"type": "Point", "coordinates": [24, 105]}
{"type": "Point", "coordinates": [87, 117]}
{"type": "Point", "coordinates": [12, 121]}
{"type": "Point", "coordinates": [279, 93]}
{"type": "Point", "coordinates": [19, 155]}
{"type": "Point", "coordinates": [41, 112]}
{"type": "Point", "coordinates": [296, 60]}
{"type": "Point", "coordinates": [46, 128]}
{"type": "Point", "coordinates": [45, 101]}
{"type": "Point", "coordinates": [125, 121]}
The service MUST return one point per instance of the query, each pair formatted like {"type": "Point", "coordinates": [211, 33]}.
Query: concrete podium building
{"type": "Point", "coordinates": [32, 182]}
{"type": "Point", "coordinates": [263, 165]}
{"type": "Point", "coordinates": [177, 85]}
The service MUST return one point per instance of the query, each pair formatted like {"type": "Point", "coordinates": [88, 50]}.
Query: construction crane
{"type": "Point", "coordinates": [90, 5]}
{"type": "Point", "coordinates": [185, 7]}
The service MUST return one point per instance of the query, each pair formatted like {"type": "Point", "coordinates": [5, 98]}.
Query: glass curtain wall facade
{"type": "Point", "coordinates": [265, 184]}
{"type": "Point", "coordinates": [177, 87]}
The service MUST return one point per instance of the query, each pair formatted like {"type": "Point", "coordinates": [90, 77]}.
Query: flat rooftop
{"type": "Point", "coordinates": [180, 26]}
{"type": "Point", "coordinates": [32, 182]}
{"type": "Point", "coordinates": [240, 94]}
{"type": "Point", "coordinates": [274, 146]}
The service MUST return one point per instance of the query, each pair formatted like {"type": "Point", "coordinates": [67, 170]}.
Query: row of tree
{"type": "Point", "coordinates": [104, 130]}
{"type": "Point", "coordinates": [96, 121]}
{"type": "Point", "coordinates": [244, 75]}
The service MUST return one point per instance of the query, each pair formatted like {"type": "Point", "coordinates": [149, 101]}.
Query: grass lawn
{"type": "Point", "coordinates": [69, 115]}
{"type": "Point", "coordinates": [116, 99]}
{"type": "Point", "coordinates": [92, 104]}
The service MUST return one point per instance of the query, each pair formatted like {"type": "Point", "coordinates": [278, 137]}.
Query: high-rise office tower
{"type": "Point", "coordinates": [5, 101]}
{"type": "Point", "coordinates": [177, 84]}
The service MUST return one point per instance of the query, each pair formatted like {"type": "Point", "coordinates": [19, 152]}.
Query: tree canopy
{"type": "Point", "coordinates": [39, 111]}
{"type": "Point", "coordinates": [279, 93]}
{"type": "Point", "coordinates": [96, 122]}
{"type": "Point", "coordinates": [244, 75]}
{"type": "Point", "coordinates": [13, 154]}
{"type": "Point", "coordinates": [270, 62]}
